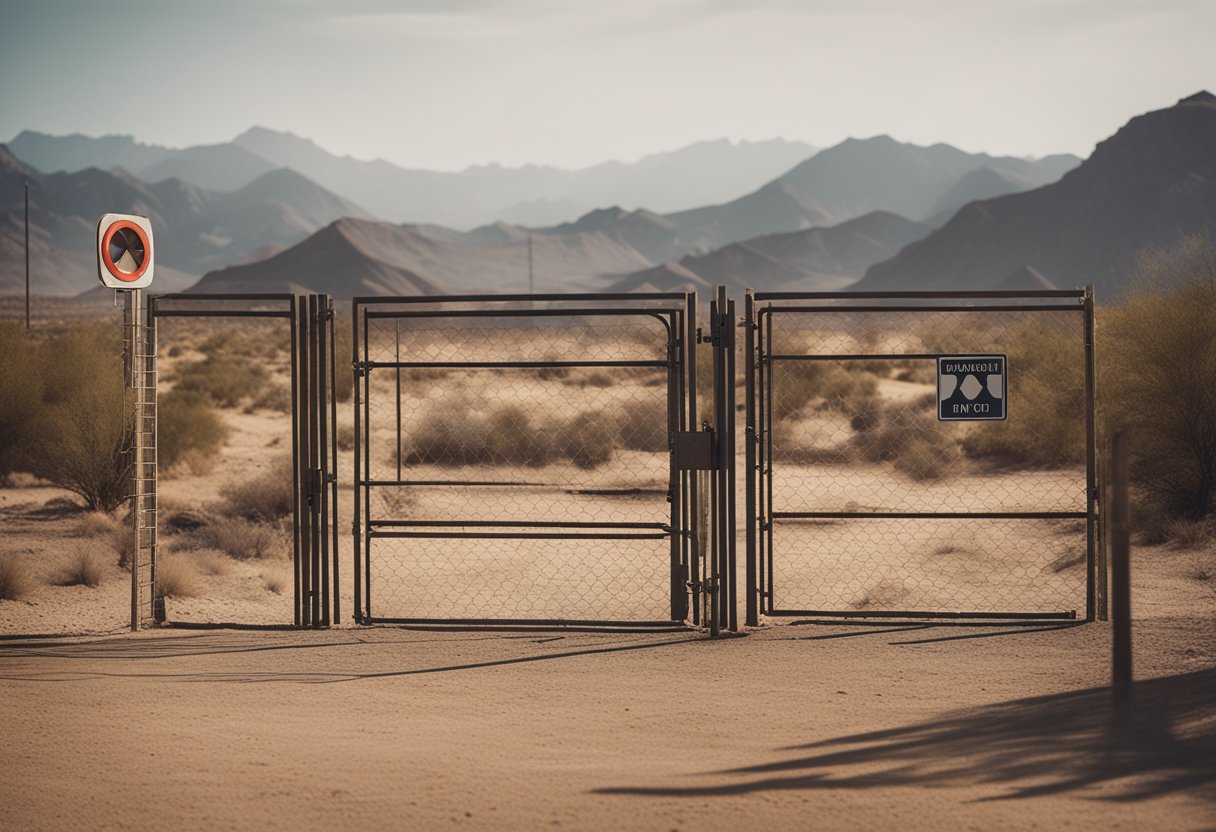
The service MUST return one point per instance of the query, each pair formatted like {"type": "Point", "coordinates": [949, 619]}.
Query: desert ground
{"type": "Point", "coordinates": [223, 720]}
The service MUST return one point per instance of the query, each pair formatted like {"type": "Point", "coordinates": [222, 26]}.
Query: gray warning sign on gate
{"type": "Point", "coordinates": [971, 388]}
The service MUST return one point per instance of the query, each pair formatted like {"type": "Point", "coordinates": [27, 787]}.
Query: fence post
{"type": "Point", "coordinates": [1120, 525]}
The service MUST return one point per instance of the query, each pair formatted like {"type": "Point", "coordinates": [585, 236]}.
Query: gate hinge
{"type": "Point", "coordinates": [702, 338]}
{"type": "Point", "coordinates": [360, 368]}
{"type": "Point", "coordinates": [744, 323]}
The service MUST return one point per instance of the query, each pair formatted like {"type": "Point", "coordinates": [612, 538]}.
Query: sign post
{"type": "Point", "coordinates": [125, 263]}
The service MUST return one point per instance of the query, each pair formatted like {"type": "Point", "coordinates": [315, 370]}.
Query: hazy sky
{"type": "Point", "coordinates": [448, 83]}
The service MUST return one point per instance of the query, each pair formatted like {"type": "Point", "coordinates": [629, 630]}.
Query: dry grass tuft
{"type": "Point", "coordinates": [275, 581]}
{"type": "Point", "coordinates": [96, 524]}
{"type": "Point", "coordinates": [1187, 535]}
{"type": "Point", "coordinates": [241, 538]}
{"type": "Point", "coordinates": [16, 579]}
{"type": "Point", "coordinates": [267, 497]}
{"type": "Point", "coordinates": [176, 577]}
{"type": "Point", "coordinates": [212, 562]}
{"type": "Point", "coordinates": [86, 568]}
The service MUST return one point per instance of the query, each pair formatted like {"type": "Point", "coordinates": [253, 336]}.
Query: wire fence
{"type": "Point", "coordinates": [518, 465]}
{"type": "Point", "coordinates": [868, 504]}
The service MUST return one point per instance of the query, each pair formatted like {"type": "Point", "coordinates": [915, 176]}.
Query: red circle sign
{"type": "Point", "coordinates": [125, 251]}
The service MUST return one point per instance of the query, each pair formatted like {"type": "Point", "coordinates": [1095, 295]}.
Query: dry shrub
{"type": "Point", "coordinates": [346, 437]}
{"type": "Point", "coordinates": [1186, 535]}
{"type": "Point", "coordinates": [225, 380]}
{"type": "Point", "coordinates": [1159, 354]}
{"type": "Point", "coordinates": [20, 396]}
{"type": "Point", "coordinates": [276, 397]}
{"type": "Point", "coordinates": [642, 426]}
{"type": "Point", "coordinates": [266, 497]}
{"type": "Point", "coordinates": [188, 431]}
{"type": "Point", "coordinates": [176, 577]}
{"type": "Point", "coordinates": [95, 524]}
{"type": "Point", "coordinates": [452, 433]}
{"type": "Point", "coordinates": [600, 379]}
{"type": "Point", "coordinates": [1045, 427]}
{"type": "Point", "coordinates": [275, 580]}
{"type": "Point", "coordinates": [16, 579]}
{"type": "Point", "coordinates": [830, 385]}
{"type": "Point", "coordinates": [587, 440]}
{"type": "Point", "coordinates": [123, 542]}
{"type": "Point", "coordinates": [240, 538]}
{"type": "Point", "coordinates": [925, 458]}
{"type": "Point", "coordinates": [212, 562]}
{"type": "Point", "coordinates": [87, 567]}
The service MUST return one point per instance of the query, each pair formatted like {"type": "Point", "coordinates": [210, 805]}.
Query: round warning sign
{"type": "Point", "coordinates": [124, 251]}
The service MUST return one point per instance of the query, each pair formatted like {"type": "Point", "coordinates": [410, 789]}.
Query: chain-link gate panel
{"type": "Point", "coordinates": [515, 459]}
{"type": "Point", "coordinates": [863, 503]}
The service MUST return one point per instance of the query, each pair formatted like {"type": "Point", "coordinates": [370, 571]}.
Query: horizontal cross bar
{"type": "Point", "coordinates": [1017, 616]}
{"type": "Point", "coordinates": [928, 515]}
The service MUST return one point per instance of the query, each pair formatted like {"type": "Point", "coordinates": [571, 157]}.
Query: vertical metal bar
{"type": "Point", "coordinates": [321, 401]}
{"type": "Point", "coordinates": [397, 324]}
{"type": "Point", "coordinates": [752, 617]}
{"type": "Point", "coordinates": [314, 366]}
{"type": "Point", "coordinates": [673, 474]}
{"type": "Point", "coordinates": [1091, 450]}
{"type": "Point", "coordinates": [367, 489]}
{"type": "Point", "coordinates": [296, 479]}
{"type": "Point", "coordinates": [767, 376]}
{"type": "Point", "coordinates": [696, 542]}
{"type": "Point", "coordinates": [131, 339]}
{"type": "Point", "coordinates": [684, 529]}
{"type": "Point", "coordinates": [332, 391]}
{"type": "Point", "coordinates": [157, 607]}
{"type": "Point", "coordinates": [356, 482]}
{"type": "Point", "coordinates": [732, 576]}
{"type": "Point", "coordinates": [715, 535]}
{"type": "Point", "coordinates": [1121, 654]}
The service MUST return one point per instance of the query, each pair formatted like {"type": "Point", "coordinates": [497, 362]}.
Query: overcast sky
{"type": "Point", "coordinates": [449, 83]}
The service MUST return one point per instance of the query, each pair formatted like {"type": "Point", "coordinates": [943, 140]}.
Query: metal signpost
{"type": "Point", "coordinates": [125, 263]}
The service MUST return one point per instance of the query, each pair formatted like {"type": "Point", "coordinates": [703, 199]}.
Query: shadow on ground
{"type": "Point", "coordinates": [1164, 742]}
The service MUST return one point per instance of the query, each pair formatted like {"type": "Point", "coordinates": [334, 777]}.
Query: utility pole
{"type": "Point", "coordinates": [530, 289]}
{"type": "Point", "coordinates": [27, 254]}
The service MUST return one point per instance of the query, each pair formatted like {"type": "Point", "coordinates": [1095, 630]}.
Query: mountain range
{"type": "Point", "coordinates": [704, 172]}
{"type": "Point", "coordinates": [1145, 187]}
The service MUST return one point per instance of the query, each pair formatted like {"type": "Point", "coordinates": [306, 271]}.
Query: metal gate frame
{"type": "Point", "coordinates": [758, 435]}
{"type": "Point", "coordinates": [313, 432]}
{"type": "Point", "coordinates": [689, 555]}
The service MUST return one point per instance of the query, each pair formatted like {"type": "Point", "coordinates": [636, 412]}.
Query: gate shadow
{"type": "Point", "coordinates": [1165, 742]}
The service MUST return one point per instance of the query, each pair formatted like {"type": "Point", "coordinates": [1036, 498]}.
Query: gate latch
{"type": "Point", "coordinates": [696, 450]}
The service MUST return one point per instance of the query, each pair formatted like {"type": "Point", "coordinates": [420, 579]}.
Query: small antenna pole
{"type": "Point", "coordinates": [27, 254]}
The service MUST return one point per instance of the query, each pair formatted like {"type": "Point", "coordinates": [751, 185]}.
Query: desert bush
{"type": "Point", "coordinates": [1159, 354]}
{"type": "Point", "coordinates": [1047, 428]}
{"type": "Point", "coordinates": [94, 524]}
{"type": "Point", "coordinates": [346, 437]}
{"type": "Point", "coordinates": [78, 440]}
{"type": "Point", "coordinates": [16, 579]}
{"type": "Point", "coordinates": [122, 540]}
{"type": "Point", "coordinates": [212, 562]}
{"type": "Point", "coordinates": [276, 397]}
{"type": "Point", "coordinates": [175, 351]}
{"type": "Point", "coordinates": [225, 380]}
{"type": "Point", "coordinates": [187, 429]}
{"type": "Point", "coordinates": [20, 396]}
{"type": "Point", "coordinates": [275, 580]}
{"type": "Point", "coordinates": [829, 384]}
{"type": "Point", "coordinates": [453, 433]}
{"type": "Point", "coordinates": [266, 497]}
{"type": "Point", "coordinates": [240, 538]}
{"type": "Point", "coordinates": [87, 567]}
{"type": "Point", "coordinates": [588, 440]}
{"type": "Point", "coordinates": [176, 577]}
{"type": "Point", "coordinates": [928, 457]}
{"type": "Point", "coordinates": [642, 426]}
{"type": "Point", "coordinates": [600, 379]}
{"type": "Point", "coordinates": [1186, 534]}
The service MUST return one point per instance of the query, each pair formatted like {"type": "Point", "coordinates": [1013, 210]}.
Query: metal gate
{"type": "Point", "coordinates": [861, 503]}
{"type": "Point", "coordinates": [515, 460]}
{"type": "Point", "coordinates": [313, 435]}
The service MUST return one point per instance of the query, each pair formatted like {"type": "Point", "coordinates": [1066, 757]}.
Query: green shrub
{"type": "Point", "coordinates": [1159, 365]}
{"type": "Point", "coordinates": [186, 423]}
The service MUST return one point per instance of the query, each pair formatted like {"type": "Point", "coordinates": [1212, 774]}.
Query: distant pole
{"type": "Point", "coordinates": [1120, 567]}
{"type": "Point", "coordinates": [27, 254]}
{"type": "Point", "coordinates": [530, 289]}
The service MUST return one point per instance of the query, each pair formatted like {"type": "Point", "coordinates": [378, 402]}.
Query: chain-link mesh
{"type": "Point", "coordinates": [849, 416]}
{"type": "Point", "coordinates": [495, 488]}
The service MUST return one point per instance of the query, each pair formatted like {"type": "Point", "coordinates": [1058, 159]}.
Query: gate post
{"type": "Point", "coordinates": [750, 439]}
{"type": "Point", "coordinates": [141, 389]}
